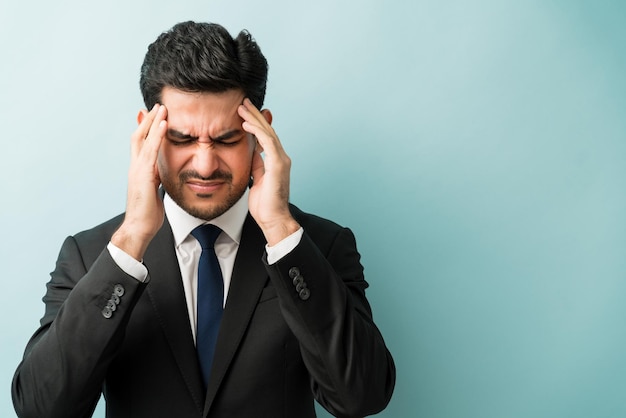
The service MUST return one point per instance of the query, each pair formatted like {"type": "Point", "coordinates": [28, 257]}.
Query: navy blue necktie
{"type": "Point", "coordinates": [210, 297]}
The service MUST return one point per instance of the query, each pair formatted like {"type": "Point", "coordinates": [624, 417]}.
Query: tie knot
{"type": "Point", "coordinates": [206, 235]}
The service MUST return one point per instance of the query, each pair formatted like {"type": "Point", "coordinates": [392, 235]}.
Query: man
{"type": "Point", "coordinates": [128, 313]}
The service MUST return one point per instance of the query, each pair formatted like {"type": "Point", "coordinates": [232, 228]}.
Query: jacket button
{"type": "Point", "coordinates": [304, 294]}
{"type": "Point", "coordinates": [300, 286]}
{"type": "Point", "coordinates": [294, 272]}
{"type": "Point", "coordinates": [111, 305]}
{"type": "Point", "coordinates": [118, 290]}
{"type": "Point", "coordinates": [297, 280]}
{"type": "Point", "coordinates": [107, 312]}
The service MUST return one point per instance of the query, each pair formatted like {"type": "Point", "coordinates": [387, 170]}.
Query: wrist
{"type": "Point", "coordinates": [131, 242]}
{"type": "Point", "coordinates": [276, 231]}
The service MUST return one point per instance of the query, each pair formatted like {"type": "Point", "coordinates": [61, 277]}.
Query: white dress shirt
{"type": "Point", "coordinates": [188, 249]}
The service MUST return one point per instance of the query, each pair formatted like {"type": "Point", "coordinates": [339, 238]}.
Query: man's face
{"type": "Point", "coordinates": [205, 160]}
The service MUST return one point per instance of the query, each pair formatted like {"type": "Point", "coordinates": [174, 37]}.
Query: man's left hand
{"type": "Point", "coordinates": [269, 196]}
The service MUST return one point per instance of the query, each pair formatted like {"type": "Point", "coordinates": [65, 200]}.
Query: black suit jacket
{"type": "Point", "coordinates": [276, 350]}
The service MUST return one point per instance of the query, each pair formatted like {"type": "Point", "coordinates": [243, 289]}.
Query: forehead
{"type": "Point", "coordinates": [202, 114]}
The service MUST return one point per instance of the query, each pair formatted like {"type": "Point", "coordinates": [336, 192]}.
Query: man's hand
{"type": "Point", "coordinates": [269, 196]}
{"type": "Point", "coordinates": [144, 208]}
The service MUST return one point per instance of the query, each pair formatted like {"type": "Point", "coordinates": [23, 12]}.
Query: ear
{"type": "Point", "coordinates": [267, 115]}
{"type": "Point", "coordinates": [142, 114]}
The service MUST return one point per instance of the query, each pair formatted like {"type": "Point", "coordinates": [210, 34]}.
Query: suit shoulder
{"type": "Point", "coordinates": [309, 221]}
{"type": "Point", "coordinates": [99, 235]}
{"type": "Point", "coordinates": [322, 231]}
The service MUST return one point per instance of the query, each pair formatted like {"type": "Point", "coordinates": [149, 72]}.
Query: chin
{"type": "Point", "coordinates": [206, 212]}
{"type": "Point", "coordinates": [208, 207]}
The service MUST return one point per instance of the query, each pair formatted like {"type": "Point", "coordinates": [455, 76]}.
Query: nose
{"type": "Point", "coordinates": [205, 159]}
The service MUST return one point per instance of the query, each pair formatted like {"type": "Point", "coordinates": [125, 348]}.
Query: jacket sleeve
{"type": "Point", "coordinates": [66, 360]}
{"type": "Point", "coordinates": [322, 298]}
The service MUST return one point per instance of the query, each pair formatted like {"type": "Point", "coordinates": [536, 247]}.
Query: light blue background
{"type": "Point", "coordinates": [476, 148]}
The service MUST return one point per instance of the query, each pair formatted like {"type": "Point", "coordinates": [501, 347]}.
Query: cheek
{"type": "Point", "coordinates": [253, 147]}
{"type": "Point", "coordinates": [253, 144]}
{"type": "Point", "coordinates": [168, 160]}
{"type": "Point", "coordinates": [243, 158]}
{"type": "Point", "coordinates": [240, 162]}
{"type": "Point", "coordinates": [162, 164]}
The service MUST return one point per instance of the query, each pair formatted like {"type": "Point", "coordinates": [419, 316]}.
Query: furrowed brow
{"type": "Point", "coordinates": [173, 133]}
{"type": "Point", "coordinates": [227, 135]}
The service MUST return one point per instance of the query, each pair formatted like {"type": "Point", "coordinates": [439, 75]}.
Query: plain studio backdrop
{"type": "Point", "coordinates": [476, 148]}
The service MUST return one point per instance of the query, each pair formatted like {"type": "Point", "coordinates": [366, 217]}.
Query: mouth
{"type": "Point", "coordinates": [205, 187]}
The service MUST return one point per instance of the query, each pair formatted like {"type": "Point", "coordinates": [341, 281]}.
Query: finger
{"type": "Point", "coordinates": [143, 128]}
{"type": "Point", "coordinates": [252, 114]}
{"type": "Point", "coordinates": [254, 118]}
{"type": "Point", "coordinates": [155, 136]}
{"type": "Point", "coordinates": [256, 124]}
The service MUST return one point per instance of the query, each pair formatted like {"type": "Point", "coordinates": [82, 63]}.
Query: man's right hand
{"type": "Point", "coordinates": [144, 207]}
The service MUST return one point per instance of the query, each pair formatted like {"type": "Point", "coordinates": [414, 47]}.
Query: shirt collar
{"type": "Point", "coordinates": [182, 223]}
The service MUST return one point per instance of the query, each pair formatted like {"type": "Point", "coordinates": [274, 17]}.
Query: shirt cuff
{"type": "Point", "coordinates": [127, 263]}
{"type": "Point", "coordinates": [284, 247]}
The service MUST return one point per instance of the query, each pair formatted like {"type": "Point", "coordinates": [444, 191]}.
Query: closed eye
{"type": "Point", "coordinates": [180, 142]}
{"type": "Point", "coordinates": [179, 138]}
{"type": "Point", "coordinates": [228, 142]}
{"type": "Point", "coordinates": [230, 138]}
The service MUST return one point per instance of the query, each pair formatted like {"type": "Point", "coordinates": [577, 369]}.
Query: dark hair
{"type": "Point", "coordinates": [203, 57]}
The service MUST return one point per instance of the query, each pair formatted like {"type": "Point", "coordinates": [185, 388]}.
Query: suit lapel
{"type": "Point", "coordinates": [248, 279]}
{"type": "Point", "coordinates": [167, 295]}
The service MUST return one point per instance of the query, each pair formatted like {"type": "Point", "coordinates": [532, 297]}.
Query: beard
{"type": "Point", "coordinates": [203, 207]}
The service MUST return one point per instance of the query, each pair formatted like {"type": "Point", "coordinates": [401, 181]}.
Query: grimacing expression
{"type": "Point", "coordinates": [205, 159]}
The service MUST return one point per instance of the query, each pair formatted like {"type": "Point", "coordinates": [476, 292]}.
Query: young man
{"type": "Point", "coordinates": [258, 322]}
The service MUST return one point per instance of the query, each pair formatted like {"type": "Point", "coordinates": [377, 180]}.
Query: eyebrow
{"type": "Point", "coordinates": [186, 137]}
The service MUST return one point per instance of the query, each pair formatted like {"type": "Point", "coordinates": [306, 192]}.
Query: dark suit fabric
{"type": "Point", "coordinates": [275, 352]}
